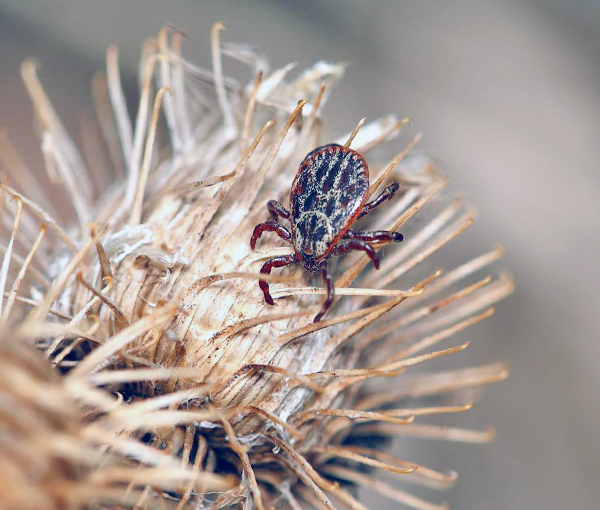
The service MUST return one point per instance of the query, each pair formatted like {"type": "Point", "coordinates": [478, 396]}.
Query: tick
{"type": "Point", "coordinates": [328, 195]}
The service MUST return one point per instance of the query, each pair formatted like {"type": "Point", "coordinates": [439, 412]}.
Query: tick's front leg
{"type": "Point", "coordinates": [330, 294]}
{"type": "Point", "coordinates": [270, 226]}
{"type": "Point", "coordinates": [277, 210]}
{"type": "Point", "coordinates": [282, 261]}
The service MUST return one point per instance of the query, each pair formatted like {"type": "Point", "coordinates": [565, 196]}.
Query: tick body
{"type": "Point", "coordinates": [328, 195]}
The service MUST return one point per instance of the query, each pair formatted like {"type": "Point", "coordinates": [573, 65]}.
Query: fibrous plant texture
{"type": "Point", "coordinates": [164, 380]}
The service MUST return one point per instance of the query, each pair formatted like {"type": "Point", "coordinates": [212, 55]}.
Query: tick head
{"type": "Point", "coordinates": [309, 260]}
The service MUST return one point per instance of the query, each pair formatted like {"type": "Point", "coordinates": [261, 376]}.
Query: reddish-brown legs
{"type": "Point", "coordinates": [386, 194]}
{"type": "Point", "coordinates": [344, 247]}
{"type": "Point", "coordinates": [282, 261]}
{"type": "Point", "coordinates": [277, 210]}
{"type": "Point", "coordinates": [330, 293]}
{"type": "Point", "coordinates": [374, 236]}
{"type": "Point", "coordinates": [270, 226]}
{"type": "Point", "coordinates": [352, 240]}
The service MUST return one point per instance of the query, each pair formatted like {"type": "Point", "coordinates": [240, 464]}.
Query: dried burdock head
{"type": "Point", "coordinates": [39, 426]}
{"type": "Point", "coordinates": [191, 391]}
{"type": "Point", "coordinates": [52, 457]}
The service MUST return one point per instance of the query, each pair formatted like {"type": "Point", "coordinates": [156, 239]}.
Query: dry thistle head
{"type": "Point", "coordinates": [148, 306]}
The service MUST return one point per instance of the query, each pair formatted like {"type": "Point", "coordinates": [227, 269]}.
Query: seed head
{"type": "Point", "coordinates": [193, 392]}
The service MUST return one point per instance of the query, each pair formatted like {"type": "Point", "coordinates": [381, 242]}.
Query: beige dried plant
{"type": "Point", "coordinates": [164, 380]}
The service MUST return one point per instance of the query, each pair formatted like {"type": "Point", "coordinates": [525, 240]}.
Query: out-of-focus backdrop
{"type": "Point", "coordinates": [507, 95]}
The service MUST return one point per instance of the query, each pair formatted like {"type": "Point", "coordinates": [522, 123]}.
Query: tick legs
{"type": "Point", "coordinates": [282, 261]}
{"type": "Point", "coordinates": [270, 226]}
{"type": "Point", "coordinates": [386, 194]}
{"type": "Point", "coordinates": [286, 260]}
{"type": "Point", "coordinates": [330, 294]}
{"type": "Point", "coordinates": [374, 236]}
{"type": "Point", "coordinates": [346, 246]}
{"type": "Point", "coordinates": [277, 210]}
{"type": "Point", "coordinates": [354, 241]}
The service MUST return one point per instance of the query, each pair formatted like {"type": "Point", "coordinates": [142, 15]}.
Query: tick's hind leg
{"type": "Point", "coordinates": [330, 294]}
{"type": "Point", "coordinates": [277, 210]}
{"type": "Point", "coordinates": [374, 236]}
{"type": "Point", "coordinates": [282, 261]}
{"type": "Point", "coordinates": [386, 194]}
{"type": "Point", "coordinates": [270, 226]}
{"type": "Point", "coordinates": [344, 247]}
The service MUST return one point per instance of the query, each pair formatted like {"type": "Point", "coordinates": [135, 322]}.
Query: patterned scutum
{"type": "Point", "coordinates": [326, 198]}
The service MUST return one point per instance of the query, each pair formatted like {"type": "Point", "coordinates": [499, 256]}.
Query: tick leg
{"type": "Point", "coordinates": [386, 194]}
{"type": "Point", "coordinates": [347, 246]}
{"type": "Point", "coordinates": [270, 226]}
{"type": "Point", "coordinates": [374, 236]}
{"type": "Point", "coordinates": [330, 294]}
{"type": "Point", "coordinates": [277, 210]}
{"type": "Point", "coordinates": [282, 261]}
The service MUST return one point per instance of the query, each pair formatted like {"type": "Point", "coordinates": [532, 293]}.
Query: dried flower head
{"type": "Point", "coordinates": [37, 431]}
{"type": "Point", "coordinates": [190, 391]}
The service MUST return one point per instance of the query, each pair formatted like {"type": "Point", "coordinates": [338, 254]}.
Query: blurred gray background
{"type": "Point", "coordinates": [507, 95]}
